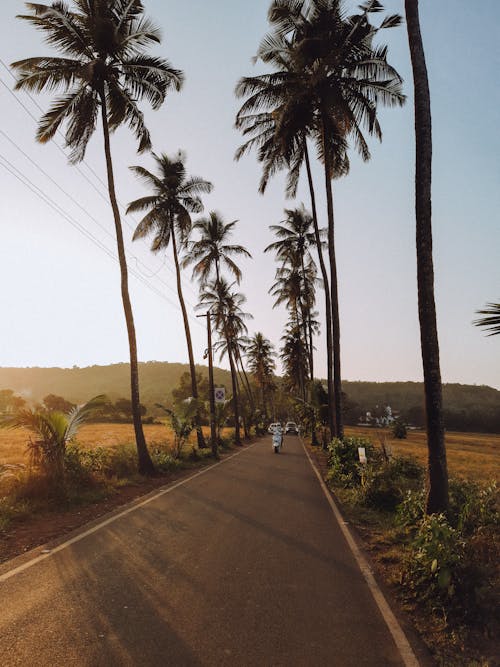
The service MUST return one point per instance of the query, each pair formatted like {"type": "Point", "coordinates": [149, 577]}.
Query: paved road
{"type": "Point", "coordinates": [242, 565]}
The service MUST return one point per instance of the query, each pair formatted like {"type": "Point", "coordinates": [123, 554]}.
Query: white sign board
{"type": "Point", "coordinates": [220, 395]}
{"type": "Point", "coordinates": [362, 454]}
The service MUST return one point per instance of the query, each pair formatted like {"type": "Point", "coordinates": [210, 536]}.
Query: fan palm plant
{"type": "Point", "coordinates": [175, 196]}
{"type": "Point", "coordinates": [104, 70]}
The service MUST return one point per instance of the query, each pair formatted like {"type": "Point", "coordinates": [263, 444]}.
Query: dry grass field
{"type": "Point", "coordinates": [13, 443]}
{"type": "Point", "coordinates": [470, 455]}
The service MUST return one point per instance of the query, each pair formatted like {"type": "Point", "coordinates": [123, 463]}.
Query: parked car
{"type": "Point", "coordinates": [291, 428]}
{"type": "Point", "coordinates": [273, 427]}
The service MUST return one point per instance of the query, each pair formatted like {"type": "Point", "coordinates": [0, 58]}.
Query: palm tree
{"type": "Point", "coordinates": [211, 251]}
{"type": "Point", "coordinates": [492, 320]}
{"type": "Point", "coordinates": [437, 500]}
{"type": "Point", "coordinates": [295, 238]}
{"type": "Point", "coordinates": [105, 70]}
{"type": "Point", "coordinates": [260, 354]}
{"type": "Point", "coordinates": [339, 77]}
{"type": "Point", "coordinates": [217, 296]}
{"type": "Point", "coordinates": [168, 218]}
{"type": "Point", "coordinates": [294, 358]}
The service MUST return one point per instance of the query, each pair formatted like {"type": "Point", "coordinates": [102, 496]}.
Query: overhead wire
{"type": "Point", "coordinates": [136, 272]}
{"type": "Point", "coordinates": [103, 196]}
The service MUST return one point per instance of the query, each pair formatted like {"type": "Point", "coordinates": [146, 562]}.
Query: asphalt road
{"type": "Point", "coordinates": [241, 565]}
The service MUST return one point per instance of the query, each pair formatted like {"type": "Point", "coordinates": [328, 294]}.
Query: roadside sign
{"type": "Point", "coordinates": [362, 454]}
{"type": "Point", "coordinates": [220, 394]}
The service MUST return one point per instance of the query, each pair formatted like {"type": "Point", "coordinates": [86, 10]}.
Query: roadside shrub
{"type": "Point", "coordinates": [411, 510]}
{"type": "Point", "coordinates": [343, 460]}
{"type": "Point", "coordinates": [381, 487]}
{"type": "Point", "coordinates": [121, 461]}
{"type": "Point", "coordinates": [399, 430]}
{"type": "Point", "coordinates": [432, 567]}
{"type": "Point", "coordinates": [473, 505]}
{"type": "Point", "coordinates": [163, 460]}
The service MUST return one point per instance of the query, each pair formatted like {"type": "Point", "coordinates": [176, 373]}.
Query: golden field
{"type": "Point", "coordinates": [13, 443]}
{"type": "Point", "coordinates": [470, 455]}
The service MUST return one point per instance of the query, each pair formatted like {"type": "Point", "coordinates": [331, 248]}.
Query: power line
{"type": "Point", "coordinates": [8, 166]}
{"type": "Point", "coordinates": [103, 196]}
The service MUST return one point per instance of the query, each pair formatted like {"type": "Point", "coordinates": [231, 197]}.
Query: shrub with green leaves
{"type": "Point", "coordinates": [343, 460]}
{"type": "Point", "coordinates": [437, 552]}
{"type": "Point", "coordinates": [473, 505]}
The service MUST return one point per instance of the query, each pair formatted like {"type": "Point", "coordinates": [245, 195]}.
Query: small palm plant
{"type": "Point", "coordinates": [53, 430]}
{"type": "Point", "coordinates": [182, 421]}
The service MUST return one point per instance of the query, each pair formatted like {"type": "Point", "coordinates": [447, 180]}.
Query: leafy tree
{"type": "Point", "coordinates": [104, 69]}
{"type": "Point", "coordinates": [492, 320]}
{"type": "Point", "coordinates": [10, 402]}
{"type": "Point", "coordinates": [182, 421]}
{"type": "Point", "coordinates": [54, 402]}
{"type": "Point", "coordinates": [168, 219]}
{"type": "Point", "coordinates": [437, 500]}
{"type": "Point", "coordinates": [124, 407]}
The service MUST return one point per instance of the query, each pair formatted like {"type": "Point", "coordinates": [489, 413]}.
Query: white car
{"type": "Point", "coordinates": [291, 427]}
{"type": "Point", "coordinates": [273, 427]}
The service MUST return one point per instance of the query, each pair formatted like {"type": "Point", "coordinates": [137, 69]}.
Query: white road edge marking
{"type": "Point", "coordinates": [106, 522]}
{"type": "Point", "coordinates": [402, 643]}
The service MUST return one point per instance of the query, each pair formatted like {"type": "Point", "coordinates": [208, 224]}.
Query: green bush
{"type": "Point", "coordinates": [399, 430]}
{"type": "Point", "coordinates": [343, 460]}
{"type": "Point", "coordinates": [437, 551]}
{"type": "Point", "coordinates": [163, 460]}
{"type": "Point", "coordinates": [411, 510]}
{"type": "Point", "coordinates": [472, 505]}
{"type": "Point", "coordinates": [381, 487]}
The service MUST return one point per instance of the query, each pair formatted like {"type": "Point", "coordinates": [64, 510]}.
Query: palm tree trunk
{"type": "Point", "coordinates": [328, 305]}
{"type": "Point", "coordinates": [192, 368]}
{"type": "Point", "coordinates": [146, 466]}
{"type": "Point", "coordinates": [337, 382]}
{"type": "Point", "coordinates": [437, 500]}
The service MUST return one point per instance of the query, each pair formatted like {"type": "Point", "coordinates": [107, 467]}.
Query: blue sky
{"type": "Point", "coordinates": [60, 292]}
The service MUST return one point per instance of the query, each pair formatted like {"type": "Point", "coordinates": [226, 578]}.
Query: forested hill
{"type": "Point", "coordinates": [77, 385]}
{"type": "Point", "coordinates": [467, 407]}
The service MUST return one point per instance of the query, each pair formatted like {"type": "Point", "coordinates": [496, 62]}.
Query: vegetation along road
{"type": "Point", "coordinates": [242, 564]}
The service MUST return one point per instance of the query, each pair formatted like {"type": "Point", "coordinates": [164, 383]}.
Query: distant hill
{"type": "Point", "coordinates": [157, 379]}
{"type": "Point", "coordinates": [467, 407]}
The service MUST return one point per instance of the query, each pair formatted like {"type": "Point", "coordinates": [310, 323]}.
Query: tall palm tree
{"type": "Point", "coordinates": [211, 252]}
{"type": "Point", "coordinates": [492, 320]}
{"type": "Point", "coordinates": [339, 78]}
{"type": "Point", "coordinates": [437, 500]}
{"type": "Point", "coordinates": [294, 358]}
{"type": "Point", "coordinates": [224, 304]}
{"type": "Point", "coordinates": [260, 354]}
{"type": "Point", "coordinates": [103, 69]}
{"type": "Point", "coordinates": [168, 219]}
{"type": "Point", "coordinates": [295, 238]}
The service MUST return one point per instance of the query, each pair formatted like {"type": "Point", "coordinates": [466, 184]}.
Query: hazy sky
{"type": "Point", "coordinates": [60, 292]}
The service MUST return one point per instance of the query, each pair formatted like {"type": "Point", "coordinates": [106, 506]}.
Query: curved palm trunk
{"type": "Point", "coordinates": [337, 382]}
{"type": "Point", "coordinates": [437, 500]}
{"type": "Point", "coordinates": [192, 368]}
{"type": "Point", "coordinates": [328, 306]}
{"type": "Point", "coordinates": [146, 466]}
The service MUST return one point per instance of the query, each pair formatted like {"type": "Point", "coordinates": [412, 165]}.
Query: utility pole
{"type": "Point", "coordinates": [213, 434]}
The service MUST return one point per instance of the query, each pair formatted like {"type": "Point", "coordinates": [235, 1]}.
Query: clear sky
{"type": "Point", "coordinates": [60, 292]}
